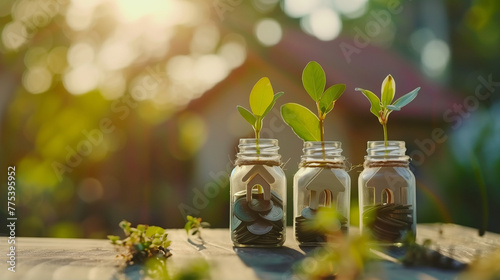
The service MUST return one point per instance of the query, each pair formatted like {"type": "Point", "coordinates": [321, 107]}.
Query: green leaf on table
{"type": "Point", "coordinates": [302, 121]}
{"type": "Point", "coordinates": [152, 230]}
{"type": "Point", "coordinates": [247, 115]}
{"type": "Point", "coordinates": [188, 226]}
{"type": "Point", "coordinates": [314, 80]}
{"type": "Point", "coordinates": [374, 101]}
{"type": "Point", "coordinates": [275, 97]}
{"type": "Point", "coordinates": [331, 95]}
{"type": "Point", "coordinates": [261, 96]}
{"type": "Point", "coordinates": [388, 90]}
{"type": "Point", "coordinates": [114, 239]}
{"type": "Point", "coordinates": [141, 228]}
{"type": "Point", "coordinates": [156, 242]}
{"type": "Point", "coordinates": [406, 99]}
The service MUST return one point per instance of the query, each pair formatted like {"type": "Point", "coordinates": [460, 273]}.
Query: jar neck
{"type": "Point", "coordinates": [322, 154]}
{"type": "Point", "coordinates": [264, 151]}
{"type": "Point", "coordinates": [391, 155]}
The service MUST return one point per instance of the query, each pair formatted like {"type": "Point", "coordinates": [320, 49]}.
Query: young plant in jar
{"type": "Point", "coordinates": [321, 180]}
{"type": "Point", "coordinates": [258, 184]}
{"type": "Point", "coordinates": [386, 185]}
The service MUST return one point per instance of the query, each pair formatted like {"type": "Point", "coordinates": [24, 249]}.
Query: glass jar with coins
{"type": "Point", "coordinates": [258, 195]}
{"type": "Point", "coordinates": [387, 203]}
{"type": "Point", "coordinates": [321, 181]}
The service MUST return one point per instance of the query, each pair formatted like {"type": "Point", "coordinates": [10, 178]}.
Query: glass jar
{"type": "Point", "coordinates": [387, 203]}
{"type": "Point", "coordinates": [321, 181]}
{"type": "Point", "coordinates": [258, 195]}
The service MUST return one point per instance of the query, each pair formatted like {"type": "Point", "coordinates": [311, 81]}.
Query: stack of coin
{"type": "Point", "coordinates": [259, 221]}
{"type": "Point", "coordinates": [388, 222]}
{"type": "Point", "coordinates": [304, 227]}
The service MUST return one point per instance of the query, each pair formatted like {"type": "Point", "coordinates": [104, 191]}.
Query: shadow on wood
{"type": "Point", "coordinates": [266, 261]}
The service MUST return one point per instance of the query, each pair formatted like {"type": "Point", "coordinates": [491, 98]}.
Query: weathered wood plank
{"type": "Point", "coordinates": [461, 243]}
{"type": "Point", "coordinates": [54, 258]}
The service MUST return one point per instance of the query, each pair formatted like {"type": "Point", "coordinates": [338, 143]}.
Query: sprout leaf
{"type": "Point", "coordinates": [314, 80]}
{"type": "Point", "coordinates": [374, 101]}
{"type": "Point", "coordinates": [329, 97]}
{"type": "Point", "coordinates": [302, 121]}
{"type": "Point", "coordinates": [275, 97]}
{"type": "Point", "coordinates": [261, 96]}
{"type": "Point", "coordinates": [388, 89]}
{"type": "Point", "coordinates": [405, 99]}
{"type": "Point", "coordinates": [247, 115]}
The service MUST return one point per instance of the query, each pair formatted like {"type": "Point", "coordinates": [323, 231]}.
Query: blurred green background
{"type": "Point", "coordinates": [124, 109]}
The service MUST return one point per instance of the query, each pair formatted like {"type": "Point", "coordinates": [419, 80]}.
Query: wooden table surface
{"type": "Point", "coordinates": [73, 259]}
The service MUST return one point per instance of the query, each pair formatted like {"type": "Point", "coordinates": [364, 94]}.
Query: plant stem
{"type": "Point", "coordinates": [257, 136]}
{"type": "Point", "coordinates": [322, 135]}
{"type": "Point", "coordinates": [384, 125]}
{"type": "Point", "coordinates": [321, 130]}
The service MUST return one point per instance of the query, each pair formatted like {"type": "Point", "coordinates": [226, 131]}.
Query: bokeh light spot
{"type": "Point", "coordinates": [205, 39]}
{"type": "Point", "coordinates": [37, 80]}
{"type": "Point", "coordinates": [435, 56]}
{"type": "Point", "coordinates": [113, 85]}
{"type": "Point", "coordinates": [80, 53]}
{"type": "Point", "coordinates": [116, 55]}
{"type": "Point", "coordinates": [133, 10]}
{"type": "Point", "coordinates": [210, 69]}
{"type": "Point", "coordinates": [180, 67]}
{"type": "Point", "coordinates": [14, 35]}
{"type": "Point", "coordinates": [82, 79]}
{"type": "Point", "coordinates": [300, 8]}
{"type": "Point", "coordinates": [268, 32]}
{"type": "Point", "coordinates": [351, 8]}
{"type": "Point", "coordinates": [420, 38]}
{"type": "Point", "coordinates": [79, 18]}
{"type": "Point", "coordinates": [325, 24]}
{"type": "Point", "coordinates": [233, 50]}
{"type": "Point", "coordinates": [56, 60]}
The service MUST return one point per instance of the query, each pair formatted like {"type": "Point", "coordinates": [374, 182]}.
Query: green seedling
{"type": "Point", "coordinates": [262, 100]}
{"type": "Point", "coordinates": [142, 243]}
{"type": "Point", "coordinates": [382, 107]}
{"type": "Point", "coordinates": [303, 122]}
{"type": "Point", "coordinates": [195, 224]}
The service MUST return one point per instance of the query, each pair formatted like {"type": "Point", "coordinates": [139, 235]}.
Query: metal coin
{"type": "Point", "coordinates": [248, 238]}
{"type": "Point", "coordinates": [278, 225]}
{"type": "Point", "coordinates": [260, 205]}
{"type": "Point", "coordinates": [260, 227]}
{"type": "Point", "coordinates": [403, 218]}
{"type": "Point", "coordinates": [242, 212]}
{"type": "Point", "coordinates": [386, 234]}
{"type": "Point", "coordinates": [308, 213]}
{"type": "Point", "coordinates": [235, 223]}
{"type": "Point", "coordinates": [275, 214]}
{"type": "Point", "coordinates": [389, 222]}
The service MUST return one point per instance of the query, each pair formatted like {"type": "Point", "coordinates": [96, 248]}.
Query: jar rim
{"type": "Point", "coordinates": [382, 142]}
